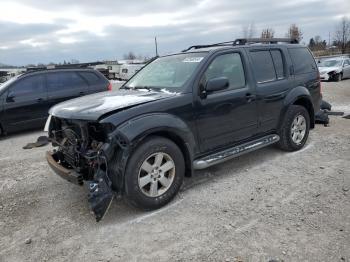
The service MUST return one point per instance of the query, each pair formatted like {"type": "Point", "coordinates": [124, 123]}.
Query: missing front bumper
{"type": "Point", "coordinates": [100, 193]}
{"type": "Point", "coordinates": [67, 174]}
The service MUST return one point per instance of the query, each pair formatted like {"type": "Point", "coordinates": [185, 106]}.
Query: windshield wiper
{"type": "Point", "coordinates": [146, 87]}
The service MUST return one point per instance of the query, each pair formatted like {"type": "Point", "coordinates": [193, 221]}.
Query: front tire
{"type": "Point", "coordinates": [154, 173]}
{"type": "Point", "coordinates": [295, 128]}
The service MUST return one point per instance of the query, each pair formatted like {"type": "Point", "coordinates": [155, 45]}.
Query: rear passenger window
{"type": "Point", "coordinates": [303, 61]}
{"type": "Point", "coordinates": [65, 81]}
{"type": "Point", "coordinates": [278, 62]}
{"type": "Point", "coordinates": [230, 66]}
{"type": "Point", "coordinates": [92, 78]}
{"type": "Point", "coordinates": [263, 67]}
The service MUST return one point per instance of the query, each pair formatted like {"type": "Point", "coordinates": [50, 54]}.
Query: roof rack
{"type": "Point", "coordinates": [247, 41]}
{"type": "Point", "coordinates": [61, 67]}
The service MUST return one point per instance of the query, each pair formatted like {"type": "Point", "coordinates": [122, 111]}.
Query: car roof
{"type": "Point", "coordinates": [55, 70]}
{"type": "Point", "coordinates": [228, 47]}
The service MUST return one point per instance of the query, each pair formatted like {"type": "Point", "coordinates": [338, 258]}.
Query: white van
{"type": "Point", "coordinates": [128, 70]}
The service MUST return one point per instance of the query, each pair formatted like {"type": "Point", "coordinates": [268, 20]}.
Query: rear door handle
{"type": "Point", "coordinates": [250, 97]}
{"type": "Point", "coordinates": [81, 93]}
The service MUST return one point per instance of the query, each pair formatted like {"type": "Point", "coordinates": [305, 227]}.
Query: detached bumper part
{"type": "Point", "coordinates": [67, 174]}
{"type": "Point", "coordinates": [101, 195]}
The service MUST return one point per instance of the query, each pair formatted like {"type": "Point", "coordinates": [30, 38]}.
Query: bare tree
{"type": "Point", "coordinates": [267, 33]}
{"type": "Point", "coordinates": [294, 32]}
{"type": "Point", "coordinates": [249, 31]}
{"type": "Point", "coordinates": [342, 34]}
{"type": "Point", "coordinates": [130, 56]}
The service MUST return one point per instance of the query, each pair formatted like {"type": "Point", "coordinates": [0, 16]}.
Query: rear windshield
{"type": "Point", "coordinates": [303, 61]}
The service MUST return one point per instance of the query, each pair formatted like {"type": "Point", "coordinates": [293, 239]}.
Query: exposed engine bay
{"type": "Point", "coordinates": [80, 157]}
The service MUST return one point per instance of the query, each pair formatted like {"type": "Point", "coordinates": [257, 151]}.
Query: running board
{"type": "Point", "coordinates": [235, 152]}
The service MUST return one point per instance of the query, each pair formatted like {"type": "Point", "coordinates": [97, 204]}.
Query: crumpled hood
{"type": "Point", "coordinates": [92, 107]}
{"type": "Point", "coordinates": [324, 70]}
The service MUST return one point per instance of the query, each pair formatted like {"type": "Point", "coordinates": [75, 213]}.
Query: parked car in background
{"type": "Point", "coordinates": [26, 99]}
{"type": "Point", "coordinates": [334, 69]}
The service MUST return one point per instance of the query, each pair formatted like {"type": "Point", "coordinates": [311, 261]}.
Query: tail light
{"type": "Point", "coordinates": [319, 81]}
{"type": "Point", "coordinates": [109, 87]}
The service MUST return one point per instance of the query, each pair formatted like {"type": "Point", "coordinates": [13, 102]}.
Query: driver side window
{"type": "Point", "coordinates": [229, 66]}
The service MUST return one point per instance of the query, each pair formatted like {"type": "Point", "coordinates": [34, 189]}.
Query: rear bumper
{"type": "Point", "coordinates": [67, 174]}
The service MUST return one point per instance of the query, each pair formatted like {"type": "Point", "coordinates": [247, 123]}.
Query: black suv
{"type": "Point", "coordinates": [184, 112]}
{"type": "Point", "coordinates": [25, 100]}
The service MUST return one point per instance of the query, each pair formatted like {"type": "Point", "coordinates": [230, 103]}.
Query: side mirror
{"type": "Point", "coordinates": [10, 98]}
{"type": "Point", "coordinates": [217, 84]}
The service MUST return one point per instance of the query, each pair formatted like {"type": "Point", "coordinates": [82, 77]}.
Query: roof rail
{"type": "Point", "coordinates": [246, 41]}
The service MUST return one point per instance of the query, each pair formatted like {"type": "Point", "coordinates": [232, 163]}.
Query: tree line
{"type": "Point", "coordinates": [339, 39]}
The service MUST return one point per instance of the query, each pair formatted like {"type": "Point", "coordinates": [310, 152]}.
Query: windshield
{"type": "Point", "coordinates": [7, 83]}
{"type": "Point", "coordinates": [168, 73]}
{"type": "Point", "coordinates": [330, 63]}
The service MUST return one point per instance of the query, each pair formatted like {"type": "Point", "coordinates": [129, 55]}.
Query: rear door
{"type": "Point", "coordinates": [66, 85]}
{"type": "Point", "coordinates": [272, 84]}
{"type": "Point", "coordinates": [26, 104]}
{"type": "Point", "coordinates": [229, 116]}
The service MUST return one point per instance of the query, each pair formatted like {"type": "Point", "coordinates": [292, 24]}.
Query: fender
{"type": "Point", "coordinates": [129, 134]}
{"type": "Point", "coordinates": [299, 92]}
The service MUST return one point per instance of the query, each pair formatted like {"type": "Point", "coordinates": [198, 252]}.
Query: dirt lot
{"type": "Point", "coordinates": [264, 206]}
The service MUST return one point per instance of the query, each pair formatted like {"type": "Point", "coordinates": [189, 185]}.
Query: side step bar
{"type": "Point", "coordinates": [236, 151]}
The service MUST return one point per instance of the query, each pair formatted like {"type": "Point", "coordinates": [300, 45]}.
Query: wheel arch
{"type": "Point", "coordinates": [164, 125]}
{"type": "Point", "coordinates": [299, 95]}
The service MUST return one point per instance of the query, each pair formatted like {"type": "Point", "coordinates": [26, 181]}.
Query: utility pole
{"type": "Point", "coordinates": [155, 41]}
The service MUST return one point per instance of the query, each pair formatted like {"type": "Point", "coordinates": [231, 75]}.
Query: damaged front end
{"type": "Point", "coordinates": [84, 155]}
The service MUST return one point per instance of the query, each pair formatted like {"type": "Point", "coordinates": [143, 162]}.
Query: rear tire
{"type": "Point", "coordinates": [154, 173]}
{"type": "Point", "coordinates": [295, 128]}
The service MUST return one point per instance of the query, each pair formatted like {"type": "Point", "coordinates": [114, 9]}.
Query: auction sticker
{"type": "Point", "coordinates": [192, 59]}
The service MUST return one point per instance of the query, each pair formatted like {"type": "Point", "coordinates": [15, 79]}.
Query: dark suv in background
{"type": "Point", "coordinates": [25, 100]}
{"type": "Point", "coordinates": [184, 112]}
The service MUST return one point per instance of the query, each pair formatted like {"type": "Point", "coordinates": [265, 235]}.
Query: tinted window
{"type": "Point", "coordinates": [263, 67]}
{"type": "Point", "coordinates": [92, 78]}
{"type": "Point", "coordinates": [230, 66]}
{"type": "Point", "coordinates": [65, 81]}
{"type": "Point", "coordinates": [30, 85]}
{"type": "Point", "coordinates": [303, 61]}
{"type": "Point", "coordinates": [278, 62]}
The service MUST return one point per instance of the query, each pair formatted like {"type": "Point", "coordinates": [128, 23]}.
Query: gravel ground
{"type": "Point", "coordinates": [264, 206]}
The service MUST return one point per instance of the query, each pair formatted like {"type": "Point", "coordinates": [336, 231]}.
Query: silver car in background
{"type": "Point", "coordinates": [334, 69]}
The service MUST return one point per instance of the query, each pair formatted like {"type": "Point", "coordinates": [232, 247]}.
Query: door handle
{"type": "Point", "coordinates": [250, 97]}
{"type": "Point", "coordinates": [39, 100]}
{"type": "Point", "coordinates": [81, 93]}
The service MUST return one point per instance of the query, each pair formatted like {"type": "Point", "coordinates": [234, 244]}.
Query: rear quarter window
{"type": "Point", "coordinates": [91, 78]}
{"type": "Point", "coordinates": [303, 61]}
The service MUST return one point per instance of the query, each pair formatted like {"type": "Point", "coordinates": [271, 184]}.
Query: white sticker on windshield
{"type": "Point", "coordinates": [192, 59]}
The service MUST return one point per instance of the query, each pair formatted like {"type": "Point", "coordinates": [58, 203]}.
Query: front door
{"type": "Point", "coordinates": [26, 103]}
{"type": "Point", "coordinates": [229, 116]}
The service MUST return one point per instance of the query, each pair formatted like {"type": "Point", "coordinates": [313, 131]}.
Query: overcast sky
{"type": "Point", "coordinates": [42, 31]}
